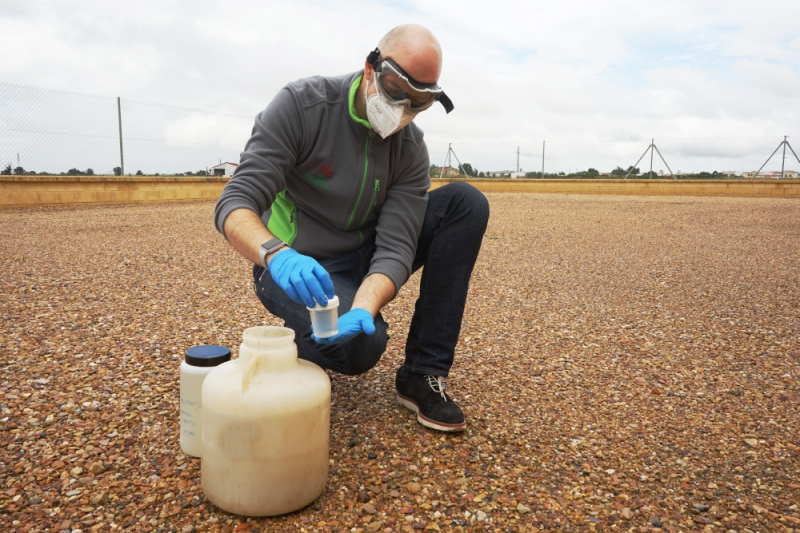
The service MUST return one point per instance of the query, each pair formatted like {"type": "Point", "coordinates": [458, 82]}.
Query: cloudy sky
{"type": "Point", "coordinates": [716, 83]}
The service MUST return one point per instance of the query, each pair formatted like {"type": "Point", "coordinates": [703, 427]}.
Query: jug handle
{"type": "Point", "coordinates": [249, 371]}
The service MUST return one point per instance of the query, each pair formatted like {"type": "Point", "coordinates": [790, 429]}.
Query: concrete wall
{"type": "Point", "coordinates": [23, 191]}
{"type": "Point", "coordinates": [660, 187]}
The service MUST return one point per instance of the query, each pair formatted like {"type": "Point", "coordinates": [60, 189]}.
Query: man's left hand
{"type": "Point", "coordinates": [352, 323]}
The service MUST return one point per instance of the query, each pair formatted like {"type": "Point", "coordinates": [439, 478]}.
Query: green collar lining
{"type": "Point", "coordinates": [352, 103]}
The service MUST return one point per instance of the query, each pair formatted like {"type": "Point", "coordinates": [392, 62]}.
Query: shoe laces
{"type": "Point", "coordinates": [437, 384]}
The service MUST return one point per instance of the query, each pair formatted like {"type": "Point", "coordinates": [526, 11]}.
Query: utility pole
{"type": "Point", "coordinates": [653, 148]}
{"type": "Point", "coordinates": [783, 143]}
{"type": "Point", "coordinates": [783, 159]}
{"type": "Point", "coordinates": [448, 161]}
{"type": "Point", "coordinates": [121, 157]}
{"type": "Point", "coordinates": [517, 158]}
{"type": "Point", "coordinates": [542, 159]}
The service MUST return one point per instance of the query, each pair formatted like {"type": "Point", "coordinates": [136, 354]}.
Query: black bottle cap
{"type": "Point", "coordinates": [209, 355]}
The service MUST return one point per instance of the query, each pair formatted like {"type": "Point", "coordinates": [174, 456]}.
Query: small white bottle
{"type": "Point", "coordinates": [199, 361]}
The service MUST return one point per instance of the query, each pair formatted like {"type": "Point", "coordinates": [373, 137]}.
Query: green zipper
{"type": "Point", "coordinates": [373, 200]}
{"type": "Point", "coordinates": [363, 182]}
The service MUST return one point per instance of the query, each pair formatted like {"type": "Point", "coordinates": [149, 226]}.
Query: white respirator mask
{"type": "Point", "coordinates": [386, 117]}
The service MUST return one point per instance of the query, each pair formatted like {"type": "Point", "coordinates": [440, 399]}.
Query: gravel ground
{"type": "Point", "coordinates": [626, 363]}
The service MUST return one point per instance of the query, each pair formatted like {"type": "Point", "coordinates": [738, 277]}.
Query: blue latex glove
{"type": "Point", "coordinates": [351, 324]}
{"type": "Point", "coordinates": [303, 279]}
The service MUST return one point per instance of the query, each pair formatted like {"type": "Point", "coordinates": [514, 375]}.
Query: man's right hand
{"type": "Point", "coordinates": [303, 279]}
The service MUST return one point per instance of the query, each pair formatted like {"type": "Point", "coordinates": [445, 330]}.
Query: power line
{"type": "Point", "coordinates": [125, 100]}
{"type": "Point", "coordinates": [562, 139]}
{"type": "Point", "coordinates": [232, 147]}
{"type": "Point", "coordinates": [165, 106]}
{"type": "Point", "coordinates": [41, 89]}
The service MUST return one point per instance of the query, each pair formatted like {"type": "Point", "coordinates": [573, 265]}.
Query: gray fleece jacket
{"type": "Point", "coordinates": [325, 183]}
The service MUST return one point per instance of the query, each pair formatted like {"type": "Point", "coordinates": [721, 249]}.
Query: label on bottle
{"type": "Point", "coordinates": [189, 414]}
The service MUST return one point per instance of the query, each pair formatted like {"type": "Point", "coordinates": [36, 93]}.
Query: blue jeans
{"type": "Point", "coordinates": [448, 247]}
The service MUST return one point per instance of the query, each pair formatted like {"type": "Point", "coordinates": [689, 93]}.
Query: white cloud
{"type": "Point", "coordinates": [203, 128]}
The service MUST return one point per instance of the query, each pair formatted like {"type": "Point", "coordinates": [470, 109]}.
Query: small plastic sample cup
{"type": "Point", "coordinates": [325, 320]}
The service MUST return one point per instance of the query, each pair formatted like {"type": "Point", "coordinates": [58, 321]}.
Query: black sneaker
{"type": "Point", "coordinates": [424, 394]}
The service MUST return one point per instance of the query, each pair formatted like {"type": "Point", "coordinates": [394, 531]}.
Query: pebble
{"type": "Point", "coordinates": [412, 487]}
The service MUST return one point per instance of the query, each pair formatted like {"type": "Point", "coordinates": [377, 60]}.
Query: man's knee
{"type": "Point", "coordinates": [467, 197]}
{"type": "Point", "coordinates": [367, 351]}
{"type": "Point", "coordinates": [478, 202]}
{"type": "Point", "coordinates": [471, 202]}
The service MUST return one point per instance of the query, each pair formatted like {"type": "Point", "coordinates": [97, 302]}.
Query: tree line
{"type": "Point", "coordinates": [8, 171]}
{"type": "Point", "coordinates": [591, 173]}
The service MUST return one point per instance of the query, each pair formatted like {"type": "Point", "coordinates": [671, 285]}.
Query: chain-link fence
{"type": "Point", "coordinates": [55, 132]}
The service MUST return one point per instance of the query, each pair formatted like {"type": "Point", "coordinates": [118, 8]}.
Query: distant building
{"type": "Point", "coordinates": [224, 169]}
{"type": "Point", "coordinates": [515, 175]}
{"type": "Point", "coordinates": [772, 175]}
{"type": "Point", "coordinates": [446, 172]}
{"type": "Point", "coordinates": [501, 174]}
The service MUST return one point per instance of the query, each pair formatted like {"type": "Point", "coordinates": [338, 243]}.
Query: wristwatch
{"type": "Point", "coordinates": [267, 248]}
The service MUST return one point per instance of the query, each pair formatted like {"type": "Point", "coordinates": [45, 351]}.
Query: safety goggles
{"type": "Point", "coordinates": [400, 88]}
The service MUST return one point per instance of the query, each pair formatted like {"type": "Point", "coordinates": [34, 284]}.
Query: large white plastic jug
{"type": "Point", "coordinates": [266, 427]}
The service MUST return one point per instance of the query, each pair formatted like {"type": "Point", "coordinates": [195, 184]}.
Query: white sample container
{"type": "Point", "coordinates": [198, 362]}
{"type": "Point", "coordinates": [325, 320]}
{"type": "Point", "coordinates": [266, 427]}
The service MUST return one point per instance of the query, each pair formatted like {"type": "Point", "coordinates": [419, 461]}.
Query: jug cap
{"type": "Point", "coordinates": [208, 355]}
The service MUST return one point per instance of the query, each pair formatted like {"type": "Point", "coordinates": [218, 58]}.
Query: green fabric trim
{"type": "Point", "coordinates": [282, 222]}
{"type": "Point", "coordinates": [375, 190]}
{"type": "Point", "coordinates": [352, 103]}
{"type": "Point", "coordinates": [363, 182]}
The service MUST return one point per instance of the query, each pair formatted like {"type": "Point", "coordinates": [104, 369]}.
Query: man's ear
{"type": "Point", "coordinates": [368, 71]}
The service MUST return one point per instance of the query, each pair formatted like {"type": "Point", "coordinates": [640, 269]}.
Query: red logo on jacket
{"type": "Point", "coordinates": [326, 170]}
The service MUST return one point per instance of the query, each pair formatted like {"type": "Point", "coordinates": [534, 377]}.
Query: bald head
{"type": "Point", "coordinates": [414, 48]}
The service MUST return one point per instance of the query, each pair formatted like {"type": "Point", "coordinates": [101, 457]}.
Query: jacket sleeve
{"type": "Point", "coordinates": [400, 220]}
{"type": "Point", "coordinates": [270, 152]}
